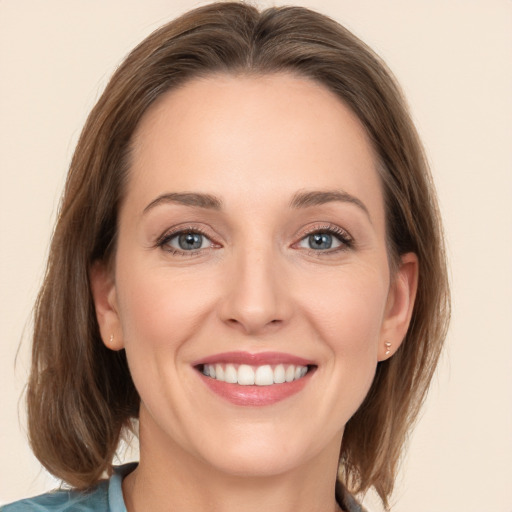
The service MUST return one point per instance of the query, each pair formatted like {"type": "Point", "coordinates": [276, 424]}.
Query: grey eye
{"type": "Point", "coordinates": [189, 241]}
{"type": "Point", "coordinates": [320, 241]}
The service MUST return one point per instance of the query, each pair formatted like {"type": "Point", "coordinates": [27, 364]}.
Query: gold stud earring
{"type": "Point", "coordinates": [388, 347]}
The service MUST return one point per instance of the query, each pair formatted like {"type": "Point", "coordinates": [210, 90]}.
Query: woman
{"type": "Point", "coordinates": [248, 260]}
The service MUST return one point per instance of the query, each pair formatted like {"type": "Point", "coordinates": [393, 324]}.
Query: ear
{"type": "Point", "coordinates": [103, 289]}
{"type": "Point", "coordinates": [399, 306]}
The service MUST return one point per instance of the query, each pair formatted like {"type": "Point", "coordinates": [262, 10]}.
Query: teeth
{"type": "Point", "coordinates": [246, 375]}
{"type": "Point", "coordinates": [279, 374]}
{"type": "Point", "coordinates": [231, 375]}
{"type": "Point", "coordinates": [264, 376]}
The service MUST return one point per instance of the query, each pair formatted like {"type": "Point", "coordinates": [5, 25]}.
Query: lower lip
{"type": "Point", "coordinates": [255, 396]}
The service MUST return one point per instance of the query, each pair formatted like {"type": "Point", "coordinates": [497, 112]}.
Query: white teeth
{"type": "Point", "coordinates": [290, 373]}
{"type": "Point", "coordinates": [246, 375]}
{"type": "Point", "coordinates": [279, 374]}
{"type": "Point", "coordinates": [231, 375]}
{"type": "Point", "coordinates": [264, 376]}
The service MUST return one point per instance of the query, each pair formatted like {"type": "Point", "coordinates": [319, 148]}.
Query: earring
{"type": "Point", "coordinates": [111, 340]}
{"type": "Point", "coordinates": [388, 347]}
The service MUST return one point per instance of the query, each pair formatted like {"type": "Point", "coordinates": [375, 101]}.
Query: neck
{"type": "Point", "coordinates": [172, 479]}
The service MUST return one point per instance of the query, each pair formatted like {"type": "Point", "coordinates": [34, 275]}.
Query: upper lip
{"type": "Point", "coordinates": [258, 359]}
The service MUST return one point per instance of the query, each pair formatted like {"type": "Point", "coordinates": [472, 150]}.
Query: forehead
{"type": "Point", "coordinates": [236, 135]}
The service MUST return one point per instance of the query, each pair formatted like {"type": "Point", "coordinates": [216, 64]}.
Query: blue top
{"type": "Point", "coordinates": [107, 496]}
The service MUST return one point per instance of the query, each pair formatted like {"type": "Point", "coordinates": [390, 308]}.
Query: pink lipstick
{"type": "Point", "coordinates": [255, 379]}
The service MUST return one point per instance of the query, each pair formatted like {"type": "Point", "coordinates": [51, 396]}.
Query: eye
{"type": "Point", "coordinates": [327, 239]}
{"type": "Point", "coordinates": [320, 241]}
{"type": "Point", "coordinates": [188, 241]}
{"type": "Point", "coordinates": [185, 242]}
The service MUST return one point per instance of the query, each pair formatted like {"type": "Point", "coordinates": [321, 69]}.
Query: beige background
{"type": "Point", "coordinates": [453, 58]}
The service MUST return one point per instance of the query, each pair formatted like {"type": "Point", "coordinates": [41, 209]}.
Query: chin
{"type": "Point", "coordinates": [264, 454]}
{"type": "Point", "coordinates": [255, 464]}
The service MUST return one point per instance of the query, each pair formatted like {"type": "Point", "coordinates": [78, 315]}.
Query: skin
{"type": "Point", "coordinates": [254, 142]}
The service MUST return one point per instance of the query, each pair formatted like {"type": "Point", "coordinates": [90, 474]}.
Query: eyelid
{"type": "Point", "coordinates": [170, 233]}
{"type": "Point", "coordinates": [327, 227]}
{"type": "Point", "coordinates": [344, 237]}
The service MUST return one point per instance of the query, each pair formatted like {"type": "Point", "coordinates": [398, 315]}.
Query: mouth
{"type": "Point", "coordinates": [248, 375]}
{"type": "Point", "coordinates": [255, 379]}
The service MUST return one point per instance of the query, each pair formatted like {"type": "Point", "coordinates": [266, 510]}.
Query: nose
{"type": "Point", "coordinates": [256, 298]}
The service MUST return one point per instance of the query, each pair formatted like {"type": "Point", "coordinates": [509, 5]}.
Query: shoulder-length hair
{"type": "Point", "coordinates": [80, 394]}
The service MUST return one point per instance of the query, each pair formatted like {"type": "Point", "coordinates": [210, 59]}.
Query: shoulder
{"type": "Point", "coordinates": [353, 506]}
{"type": "Point", "coordinates": [107, 496]}
{"type": "Point", "coordinates": [346, 501]}
{"type": "Point", "coordinates": [59, 501]}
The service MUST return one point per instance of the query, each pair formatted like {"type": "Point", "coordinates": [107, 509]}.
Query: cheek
{"type": "Point", "coordinates": [348, 309]}
{"type": "Point", "coordinates": [347, 315]}
{"type": "Point", "coordinates": [141, 309]}
{"type": "Point", "coordinates": [161, 312]}
{"type": "Point", "coordinates": [159, 308]}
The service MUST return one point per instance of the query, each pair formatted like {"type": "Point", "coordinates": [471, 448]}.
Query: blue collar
{"type": "Point", "coordinates": [115, 489]}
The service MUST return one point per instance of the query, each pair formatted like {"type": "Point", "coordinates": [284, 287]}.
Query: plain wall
{"type": "Point", "coordinates": [454, 61]}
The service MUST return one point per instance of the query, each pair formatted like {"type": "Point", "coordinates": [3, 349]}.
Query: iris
{"type": "Point", "coordinates": [190, 241]}
{"type": "Point", "coordinates": [320, 241]}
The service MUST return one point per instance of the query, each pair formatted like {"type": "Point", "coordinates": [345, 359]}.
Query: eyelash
{"type": "Point", "coordinates": [346, 241]}
{"type": "Point", "coordinates": [169, 235]}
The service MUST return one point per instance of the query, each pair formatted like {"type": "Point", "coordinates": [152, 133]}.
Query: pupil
{"type": "Point", "coordinates": [320, 241]}
{"type": "Point", "coordinates": [190, 241]}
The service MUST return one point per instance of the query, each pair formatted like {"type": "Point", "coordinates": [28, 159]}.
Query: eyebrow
{"type": "Point", "coordinates": [306, 199]}
{"type": "Point", "coordinates": [188, 199]}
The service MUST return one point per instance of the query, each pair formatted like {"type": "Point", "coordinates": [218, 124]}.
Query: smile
{"type": "Point", "coordinates": [255, 379]}
{"type": "Point", "coordinates": [246, 375]}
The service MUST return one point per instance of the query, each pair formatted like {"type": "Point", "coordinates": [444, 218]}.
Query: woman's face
{"type": "Point", "coordinates": [252, 243]}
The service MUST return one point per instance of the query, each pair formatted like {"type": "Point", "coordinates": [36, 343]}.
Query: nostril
{"type": "Point", "coordinates": [252, 326]}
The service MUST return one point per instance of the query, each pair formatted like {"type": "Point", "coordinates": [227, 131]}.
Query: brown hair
{"type": "Point", "coordinates": [80, 394]}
